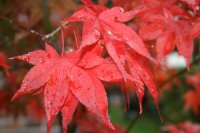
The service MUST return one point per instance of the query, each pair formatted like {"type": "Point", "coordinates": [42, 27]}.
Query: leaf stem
{"type": "Point", "coordinates": [63, 42]}
{"type": "Point", "coordinates": [46, 37]}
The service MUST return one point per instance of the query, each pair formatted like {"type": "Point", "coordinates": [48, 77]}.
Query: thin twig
{"type": "Point", "coordinates": [54, 32]}
{"type": "Point", "coordinates": [178, 74]}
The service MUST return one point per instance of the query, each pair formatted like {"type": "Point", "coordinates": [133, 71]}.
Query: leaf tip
{"type": "Point", "coordinates": [188, 66]}
{"type": "Point", "coordinates": [161, 118]}
{"type": "Point", "coordinates": [14, 97]}
{"type": "Point", "coordinates": [109, 124]}
{"type": "Point", "coordinates": [140, 111]}
{"type": "Point", "coordinates": [12, 58]}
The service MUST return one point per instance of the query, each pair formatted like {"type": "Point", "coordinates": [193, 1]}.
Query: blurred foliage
{"type": "Point", "coordinates": [18, 17]}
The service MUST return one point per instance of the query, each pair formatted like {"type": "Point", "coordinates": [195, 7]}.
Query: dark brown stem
{"type": "Point", "coordinates": [178, 74]}
{"type": "Point", "coordinates": [63, 43]}
{"type": "Point", "coordinates": [47, 37]}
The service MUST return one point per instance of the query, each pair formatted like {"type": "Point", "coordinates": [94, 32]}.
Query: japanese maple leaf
{"type": "Point", "coordinates": [64, 83]}
{"type": "Point", "coordinates": [179, 34]}
{"type": "Point", "coordinates": [3, 63]}
{"type": "Point", "coordinates": [101, 23]}
{"type": "Point", "coordinates": [169, 29]}
{"type": "Point", "coordinates": [139, 69]}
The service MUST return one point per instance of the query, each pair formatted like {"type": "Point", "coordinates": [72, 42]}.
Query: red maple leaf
{"type": "Point", "coordinates": [65, 82]}
{"type": "Point", "coordinates": [170, 26]}
{"type": "Point", "coordinates": [175, 34]}
{"type": "Point", "coordinates": [139, 70]}
{"type": "Point", "coordinates": [101, 23]}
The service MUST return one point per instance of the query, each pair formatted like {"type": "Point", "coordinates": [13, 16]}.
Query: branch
{"type": "Point", "coordinates": [31, 31]}
{"type": "Point", "coordinates": [195, 62]}
{"type": "Point", "coordinates": [46, 37]}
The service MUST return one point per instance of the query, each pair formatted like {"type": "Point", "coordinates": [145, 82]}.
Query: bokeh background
{"type": "Point", "coordinates": [178, 96]}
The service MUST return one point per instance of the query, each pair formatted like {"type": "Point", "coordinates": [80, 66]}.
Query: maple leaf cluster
{"type": "Point", "coordinates": [168, 24]}
{"type": "Point", "coordinates": [109, 51]}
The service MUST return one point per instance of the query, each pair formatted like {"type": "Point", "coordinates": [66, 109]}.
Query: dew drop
{"type": "Point", "coordinates": [25, 58]}
{"type": "Point", "coordinates": [121, 10]}
{"type": "Point", "coordinates": [48, 117]}
{"type": "Point", "coordinates": [109, 32]}
{"type": "Point", "coordinates": [41, 60]}
{"type": "Point", "coordinates": [197, 8]}
{"type": "Point", "coordinates": [176, 18]}
{"type": "Point", "coordinates": [25, 87]}
{"type": "Point", "coordinates": [49, 103]}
